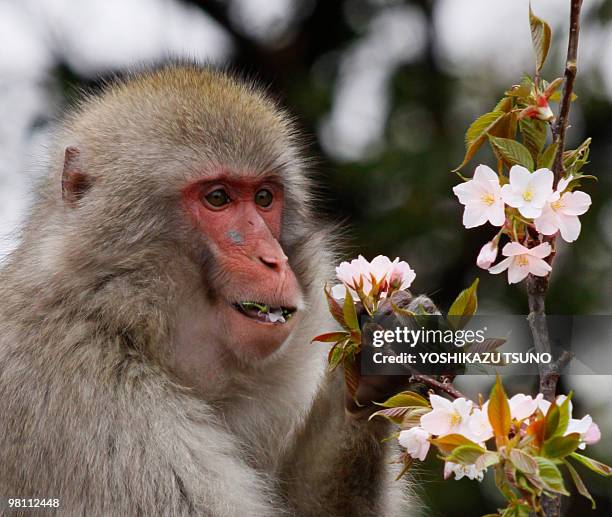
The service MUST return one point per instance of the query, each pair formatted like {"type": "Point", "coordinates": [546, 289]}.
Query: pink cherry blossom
{"type": "Point", "coordinates": [401, 275]}
{"type": "Point", "coordinates": [560, 213]}
{"type": "Point", "coordinates": [482, 199]}
{"type": "Point", "coordinates": [592, 435]}
{"type": "Point", "coordinates": [522, 261]}
{"type": "Point", "coordinates": [447, 417]}
{"type": "Point", "coordinates": [359, 273]}
{"type": "Point", "coordinates": [487, 255]}
{"type": "Point", "coordinates": [528, 191]}
{"type": "Point", "coordinates": [416, 442]}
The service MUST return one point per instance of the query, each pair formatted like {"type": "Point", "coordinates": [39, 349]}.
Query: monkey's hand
{"type": "Point", "coordinates": [378, 388]}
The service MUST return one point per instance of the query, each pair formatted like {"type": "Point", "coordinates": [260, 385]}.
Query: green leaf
{"type": "Point", "coordinates": [486, 460]}
{"type": "Point", "coordinates": [547, 157]}
{"type": "Point", "coordinates": [395, 414]}
{"type": "Point", "coordinates": [512, 151]}
{"type": "Point", "coordinates": [533, 132]}
{"type": "Point", "coordinates": [349, 312]}
{"type": "Point", "coordinates": [502, 483]}
{"type": "Point", "coordinates": [561, 446]}
{"type": "Point", "coordinates": [552, 420]}
{"type": "Point", "coordinates": [580, 486]}
{"type": "Point", "coordinates": [335, 308]}
{"type": "Point", "coordinates": [564, 416]}
{"type": "Point", "coordinates": [464, 307]}
{"type": "Point", "coordinates": [335, 356]}
{"type": "Point", "coordinates": [466, 454]}
{"type": "Point", "coordinates": [600, 468]}
{"type": "Point", "coordinates": [477, 132]}
{"type": "Point", "coordinates": [556, 97]}
{"type": "Point", "coordinates": [405, 399]}
{"type": "Point", "coordinates": [331, 337]}
{"type": "Point", "coordinates": [523, 461]}
{"type": "Point", "coordinates": [448, 443]}
{"type": "Point", "coordinates": [550, 476]}
{"type": "Point", "coordinates": [499, 412]}
{"type": "Point", "coordinates": [413, 417]}
{"type": "Point", "coordinates": [540, 38]}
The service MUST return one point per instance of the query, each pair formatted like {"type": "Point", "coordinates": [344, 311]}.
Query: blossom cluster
{"type": "Point", "coordinates": [526, 198]}
{"type": "Point", "coordinates": [374, 280]}
{"type": "Point", "coordinates": [463, 417]}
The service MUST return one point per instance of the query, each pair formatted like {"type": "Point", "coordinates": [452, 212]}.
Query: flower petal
{"type": "Point", "coordinates": [517, 272]}
{"type": "Point", "coordinates": [569, 226]}
{"type": "Point", "coordinates": [538, 267]}
{"type": "Point", "coordinates": [541, 250]}
{"type": "Point", "coordinates": [437, 422]}
{"type": "Point", "coordinates": [500, 266]}
{"type": "Point", "coordinates": [519, 177]}
{"type": "Point", "coordinates": [484, 173]}
{"type": "Point", "coordinates": [514, 248]}
{"type": "Point", "coordinates": [497, 214]}
{"type": "Point", "coordinates": [475, 215]}
{"type": "Point", "coordinates": [575, 203]}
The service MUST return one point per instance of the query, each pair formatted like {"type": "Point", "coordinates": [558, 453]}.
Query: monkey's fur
{"type": "Point", "coordinates": [91, 410]}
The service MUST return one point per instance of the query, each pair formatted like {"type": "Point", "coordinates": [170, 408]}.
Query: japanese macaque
{"type": "Point", "coordinates": [155, 321]}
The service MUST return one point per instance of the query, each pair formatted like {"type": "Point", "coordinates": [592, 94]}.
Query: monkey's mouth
{"type": "Point", "coordinates": [265, 313]}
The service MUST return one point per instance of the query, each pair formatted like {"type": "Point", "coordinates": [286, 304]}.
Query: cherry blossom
{"type": "Point", "coordinates": [478, 426]}
{"type": "Point", "coordinates": [528, 192]}
{"type": "Point", "coordinates": [416, 442]}
{"type": "Point", "coordinates": [487, 255]}
{"type": "Point", "coordinates": [522, 406]}
{"type": "Point", "coordinates": [460, 471]}
{"type": "Point", "coordinates": [482, 199]}
{"type": "Point", "coordinates": [522, 261]}
{"type": "Point", "coordinates": [361, 274]}
{"type": "Point", "coordinates": [560, 213]}
{"type": "Point", "coordinates": [541, 110]}
{"type": "Point", "coordinates": [447, 417]}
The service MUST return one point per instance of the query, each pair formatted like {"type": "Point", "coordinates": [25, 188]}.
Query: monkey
{"type": "Point", "coordinates": [156, 318]}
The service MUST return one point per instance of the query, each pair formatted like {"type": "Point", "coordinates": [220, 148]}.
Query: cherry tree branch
{"type": "Point", "coordinates": [537, 287]}
{"type": "Point", "coordinates": [446, 387]}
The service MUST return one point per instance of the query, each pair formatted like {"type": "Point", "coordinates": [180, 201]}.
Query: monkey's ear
{"type": "Point", "coordinates": [75, 182]}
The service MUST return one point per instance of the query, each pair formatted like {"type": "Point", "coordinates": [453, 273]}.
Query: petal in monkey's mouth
{"type": "Point", "coordinates": [264, 313]}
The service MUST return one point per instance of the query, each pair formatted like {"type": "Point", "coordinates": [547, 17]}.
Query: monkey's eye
{"type": "Point", "coordinates": [217, 198]}
{"type": "Point", "coordinates": [264, 198]}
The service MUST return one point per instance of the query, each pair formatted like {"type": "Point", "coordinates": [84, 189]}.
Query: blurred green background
{"type": "Point", "coordinates": [384, 90]}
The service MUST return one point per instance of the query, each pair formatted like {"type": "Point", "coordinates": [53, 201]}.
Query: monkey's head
{"type": "Point", "coordinates": [183, 202]}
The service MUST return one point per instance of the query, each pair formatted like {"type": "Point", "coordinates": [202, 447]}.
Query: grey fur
{"type": "Point", "coordinates": [91, 410]}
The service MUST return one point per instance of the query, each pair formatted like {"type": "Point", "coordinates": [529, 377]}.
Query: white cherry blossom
{"type": "Point", "coordinates": [527, 191]}
{"type": "Point", "coordinates": [560, 213]}
{"type": "Point", "coordinates": [447, 417]}
{"type": "Point", "coordinates": [416, 442]}
{"type": "Point", "coordinates": [522, 261]}
{"type": "Point", "coordinates": [482, 199]}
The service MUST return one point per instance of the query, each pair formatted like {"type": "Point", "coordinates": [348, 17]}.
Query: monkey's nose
{"type": "Point", "coordinates": [274, 262]}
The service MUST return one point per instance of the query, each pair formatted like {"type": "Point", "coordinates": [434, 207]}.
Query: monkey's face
{"type": "Point", "coordinates": [256, 297]}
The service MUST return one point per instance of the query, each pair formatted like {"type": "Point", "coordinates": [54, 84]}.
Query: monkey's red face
{"type": "Point", "coordinates": [257, 293]}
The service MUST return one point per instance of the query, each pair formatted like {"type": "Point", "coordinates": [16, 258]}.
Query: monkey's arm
{"type": "Point", "coordinates": [339, 466]}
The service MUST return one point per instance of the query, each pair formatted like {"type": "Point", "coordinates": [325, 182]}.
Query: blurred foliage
{"type": "Point", "coordinates": [399, 201]}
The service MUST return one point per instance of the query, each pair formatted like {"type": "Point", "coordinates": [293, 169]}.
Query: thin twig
{"type": "Point", "coordinates": [560, 126]}
{"type": "Point", "coordinates": [445, 387]}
